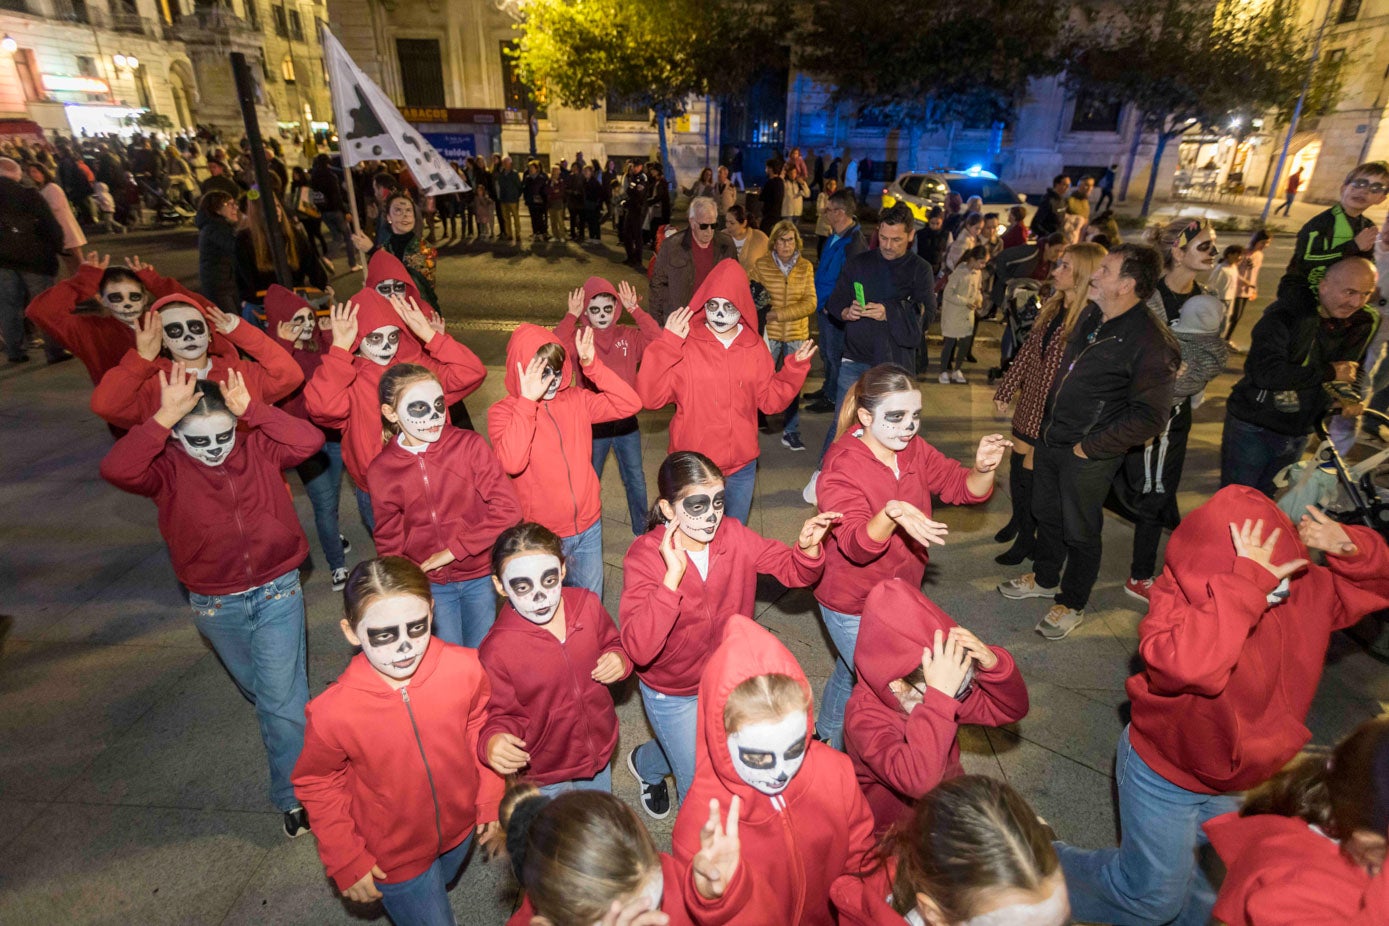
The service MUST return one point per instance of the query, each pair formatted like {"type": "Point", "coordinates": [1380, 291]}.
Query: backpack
{"type": "Point", "coordinates": [24, 243]}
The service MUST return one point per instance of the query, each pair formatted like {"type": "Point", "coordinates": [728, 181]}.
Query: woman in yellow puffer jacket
{"type": "Point", "coordinates": [790, 280]}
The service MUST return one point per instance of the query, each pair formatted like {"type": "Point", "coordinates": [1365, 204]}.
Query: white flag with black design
{"type": "Point", "coordinates": [370, 128]}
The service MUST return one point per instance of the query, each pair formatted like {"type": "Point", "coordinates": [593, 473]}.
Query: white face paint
{"type": "Point", "coordinates": [209, 439]}
{"type": "Point", "coordinates": [649, 897]}
{"type": "Point", "coordinates": [768, 755]}
{"type": "Point", "coordinates": [897, 419]}
{"type": "Point", "coordinates": [531, 583]}
{"type": "Point", "coordinates": [699, 511]}
{"type": "Point", "coordinates": [602, 311]}
{"type": "Point", "coordinates": [380, 346]}
{"type": "Point", "coordinates": [394, 633]}
{"type": "Point", "coordinates": [721, 315]}
{"type": "Point", "coordinates": [421, 411]}
{"type": "Point", "coordinates": [303, 322]}
{"type": "Point", "coordinates": [553, 380]}
{"type": "Point", "coordinates": [186, 332]}
{"type": "Point", "coordinates": [1054, 911]}
{"type": "Point", "coordinates": [125, 299]}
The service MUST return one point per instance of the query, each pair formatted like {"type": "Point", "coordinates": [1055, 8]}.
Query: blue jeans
{"type": "Point", "coordinates": [364, 508]}
{"type": "Point", "coordinates": [322, 478]}
{"type": "Point", "coordinates": [831, 350]}
{"type": "Point", "coordinates": [603, 781]}
{"type": "Point", "coordinates": [424, 899]}
{"type": "Point", "coordinates": [17, 289]}
{"type": "Point", "coordinates": [464, 611]}
{"type": "Point", "coordinates": [1152, 877]}
{"type": "Point", "coordinates": [259, 636]}
{"type": "Point", "coordinates": [627, 448]}
{"type": "Point", "coordinates": [673, 717]}
{"type": "Point", "coordinates": [1252, 456]}
{"type": "Point", "coordinates": [583, 559]}
{"type": "Point", "coordinates": [737, 489]}
{"type": "Point", "coordinates": [780, 351]}
{"type": "Point", "coordinates": [843, 631]}
{"type": "Point", "coordinates": [849, 373]}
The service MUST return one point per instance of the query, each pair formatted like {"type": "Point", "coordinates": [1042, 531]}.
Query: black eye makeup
{"type": "Point", "coordinates": [521, 585]}
{"type": "Point", "coordinates": [174, 330]}
{"type": "Point", "coordinates": [550, 578]}
{"type": "Point", "coordinates": [417, 629]}
{"type": "Point", "coordinates": [697, 506]}
{"type": "Point", "coordinates": [756, 758]}
{"type": "Point", "coordinates": [383, 636]}
{"type": "Point", "coordinates": [421, 408]}
{"type": "Point", "coordinates": [226, 436]}
{"type": "Point", "coordinates": [388, 288]}
{"type": "Point", "coordinates": [136, 297]}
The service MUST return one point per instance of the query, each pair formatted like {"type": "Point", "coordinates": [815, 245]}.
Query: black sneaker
{"type": "Point", "coordinates": [820, 406]}
{"type": "Point", "coordinates": [655, 799]}
{"type": "Point", "coordinates": [792, 442]}
{"type": "Point", "coordinates": [296, 822]}
{"type": "Point", "coordinates": [346, 544]}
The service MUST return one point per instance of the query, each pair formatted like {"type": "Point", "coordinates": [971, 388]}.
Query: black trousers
{"type": "Point", "coordinates": [1068, 495]}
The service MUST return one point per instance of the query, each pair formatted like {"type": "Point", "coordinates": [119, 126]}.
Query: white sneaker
{"type": "Point", "coordinates": [1059, 621]}
{"type": "Point", "coordinates": [958, 376]}
{"type": "Point", "coordinates": [808, 493]}
{"type": "Point", "coordinates": [339, 579]}
{"type": "Point", "coordinates": [944, 378]}
{"type": "Point", "coordinates": [1025, 586]}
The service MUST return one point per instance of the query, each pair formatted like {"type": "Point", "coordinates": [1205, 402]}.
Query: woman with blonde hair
{"type": "Point", "coordinates": [257, 261]}
{"type": "Point", "coordinates": [790, 281]}
{"type": "Point", "coordinates": [1028, 380]}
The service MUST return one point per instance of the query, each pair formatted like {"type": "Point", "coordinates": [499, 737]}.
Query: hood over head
{"type": "Point", "coordinates": [375, 311]}
{"type": "Point", "coordinates": [602, 337]}
{"type": "Point", "coordinates": [1200, 547]}
{"type": "Point", "coordinates": [898, 623]}
{"type": "Point", "coordinates": [747, 651]}
{"type": "Point", "coordinates": [728, 280]}
{"type": "Point", "coordinates": [520, 350]}
{"type": "Point", "coordinates": [383, 266]}
{"type": "Point", "coordinates": [281, 305]}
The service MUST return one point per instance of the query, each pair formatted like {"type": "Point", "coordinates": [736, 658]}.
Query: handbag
{"type": "Point", "coordinates": [305, 206]}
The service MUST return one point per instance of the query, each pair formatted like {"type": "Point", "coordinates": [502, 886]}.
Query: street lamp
{"type": "Point", "coordinates": [126, 62]}
{"type": "Point", "coordinates": [8, 45]}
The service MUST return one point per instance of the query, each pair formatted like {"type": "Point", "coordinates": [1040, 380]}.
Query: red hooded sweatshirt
{"type": "Point", "coordinates": [383, 266]}
{"type": "Point", "coordinates": [671, 634]}
{"type": "Point", "coordinates": [866, 899]}
{"type": "Point", "coordinates": [718, 390]}
{"type": "Point", "coordinates": [857, 485]}
{"type": "Point", "coordinates": [230, 527]}
{"type": "Point", "coordinates": [1281, 872]}
{"type": "Point", "coordinates": [897, 756]}
{"type": "Point", "coordinates": [1228, 678]}
{"type": "Point", "coordinates": [547, 446]}
{"type": "Point", "coordinates": [672, 898]}
{"type": "Point", "coordinates": [543, 692]}
{"type": "Point", "coordinates": [451, 495]}
{"type": "Point", "coordinates": [280, 306]}
{"type": "Point", "coordinates": [100, 341]}
{"type": "Point", "coordinates": [129, 392]}
{"type": "Point", "coordinates": [618, 346]}
{"type": "Point", "coordinates": [390, 776]}
{"type": "Point", "coordinates": [343, 391]}
{"type": "Point", "coordinates": [793, 845]}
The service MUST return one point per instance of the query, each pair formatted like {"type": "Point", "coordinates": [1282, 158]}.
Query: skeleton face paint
{"type": "Point", "coordinates": [602, 312]}
{"type": "Point", "coordinates": [1054, 911]}
{"type": "Point", "coordinates": [532, 585]}
{"type": "Point", "coordinates": [768, 755]}
{"type": "Point", "coordinates": [897, 419]}
{"type": "Point", "coordinates": [186, 333]}
{"type": "Point", "coordinates": [721, 315]}
{"type": "Point", "coordinates": [303, 322]}
{"type": "Point", "coordinates": [389, 288]}
{"type": "Point", "coordinates": [125, 300]}
{"type": "Point", "coordinates": [421, 411]}
{"type": "Point", "coordinates": [553, 378]}
{"type": "Point", "coordinates": [699, 511]}
{"type": "Point", "coordinates": [394, 634]}
{"type": "Point", "coordinates": [209, 439]}
{"type": "Point", "coordinates": [380, 346]}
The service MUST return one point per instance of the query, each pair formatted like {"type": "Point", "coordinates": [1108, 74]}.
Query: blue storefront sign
{"type": "Point", "coordinates": [454, 146]}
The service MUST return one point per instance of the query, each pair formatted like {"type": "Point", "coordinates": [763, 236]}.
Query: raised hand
{"type": "Point", "coordinates": [583, 340]}
{"type": "Point", "coordinates": [1251, 544]}
{"type": "Point", "coordinates": [627, 296]}
{"type": "Point", "coordinates": [342, 318]}
{"type": "Point", "coordinates": [533, 385]}
{"type": "Point", "coordinates": [985, 657]}
{"type": "Point", "coordinates": [97, 260]}
{"type": "Point", "coordinates": [178, 394]}
{"type": "Point", "coordinates": [919, 527]}
{"type": "Point", "coordinates": [364, 891]}
{"type": "Point", "coordinates": [716, 861]}
{"type": "Point", "coordinates": [609, 669]}
{"type": "Point", "coordinates": [235, 393]}
{"type": "Point", "coordinates": [220, 320]}
{"type": "Point", "coordinates": [436, 321]}
{"type": "Point", "coordinates": [507, 754]}
{"type": "Point", "coordinates": [813, 531]}
{"type": "Point", "coordinates": [135, 264]}
{"type": "Point", "coordinates": [634, 914]}
{"type": "Point", "coordinates": [678, 322]}
{"type": "Point", "coordinates": [945, 664]}
{"type": "Point", "coordinates": [1318, 532]}
{"type": "Point", "coordinates": [805, 351]}
{"type": "Point", "coordinates": [413, 317]}
{"type": "Point", "coordinates": [1365, 240]}
{"type": "Point", "coordinates": [992, 447]}
{"type": "Point", "coordinates": [675, 558]}
{"type": "Point", "coordinates": [149, 335]}
{"type": "Point", "coordinates": [576, 302]}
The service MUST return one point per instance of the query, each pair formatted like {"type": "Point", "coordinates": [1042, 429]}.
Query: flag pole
{"type": "Point", "coordinates": [351, 185]}
{"type": "Point", "coordinates": [245, 92]}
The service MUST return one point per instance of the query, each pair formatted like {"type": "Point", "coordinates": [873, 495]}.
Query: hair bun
{"type": "Point", "coordinates": [518, 829]}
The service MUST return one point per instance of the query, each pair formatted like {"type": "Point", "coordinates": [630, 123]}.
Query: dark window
{"type": "Point", "coordinates": [621, 110]}
{"type": "Point", "coordinates": [296, 26]}
{"type": "Point", "coordinates": [421, 71]}
{"type": "Point", "coordinates": [281, 22]}
{"type": "Point", "coordinates": [992, 192]}
{"type": "Point", "coordinates": [15, 6]}
{"type": "Point", "coordinates": [1094, 114]}
{"type": "Point", "coordinates": [1350, 9]}
{"type": "Point", "coordinates": [252, 14]}
{"type": "Point", "coordinates": [516, 96]}
{"type": "Point", "coordinates": [912, 185]}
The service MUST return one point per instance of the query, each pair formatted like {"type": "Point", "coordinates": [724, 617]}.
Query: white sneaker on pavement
{"type": "Point", "coordinates": [1059, 621]}
{"type": "Point", "coordinates": [1025, 586]}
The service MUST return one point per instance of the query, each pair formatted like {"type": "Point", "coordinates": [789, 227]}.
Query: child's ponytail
{"type": "Point", "coordinates": [871, 388]}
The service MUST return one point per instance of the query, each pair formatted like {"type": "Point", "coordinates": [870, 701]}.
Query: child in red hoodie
{"type": "Point", "coordinates": [1233, 647]}
{"type": "Point", "coordinates": [921, 676]}
{"type": "Point", "coordinates": [595, 306]}
{"type": "Point", "coordinates": [711, 362]}
{"type": "Point", "coordinates": [543, 434]}
{"type": "Point", "coordinates": [802, 821]}
{"type": "Point", "coordinates": [972, 853]}
{"type": "Point", "coordinates": [372, 333]}
{"type": "Point", "coordinates": [234, 541]}
{"type": "Point", "coordinates": [441, 500]}
{"type": "Point", "coordinates": [389, 771]}
{"type": "Point", "coordinates": [880, 475]}
{"type": "Point", "coordinates": [1308, 846]}
{"type": "Point", "coordinates": [550, 658]}
{"type": "Point", "coordinates": [129, 392]}
{"type": "Point", "coordinates": [673, 615]}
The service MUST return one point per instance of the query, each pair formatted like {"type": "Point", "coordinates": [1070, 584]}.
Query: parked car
{"type": "Point", "coordinates": [923, 189]}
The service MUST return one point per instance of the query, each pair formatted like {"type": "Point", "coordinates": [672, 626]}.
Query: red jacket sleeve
{"type": "Point", "coordinates": [52, 309]}
{"type": "Point", "coordinates": [505, 713]}
{"type": "Point", "coordinates": [648, 330]}
{"type": "Point", "coordinates": [275, 368]}
{"type": "Point", "coordinates": [320, 783]}
{"type": "Point", "coordinates": [657, 378]}
{"type": "Point", "coordinates": [159, 286]}
{"type": "Point", "coordinates": [121, 397]}
{"type": "Point", "coordinates": [614, 399]}
{"type": "Point", "coordinates": [490, 785]}
{"type": "Point", "coordinates": [1361, 581]}
{"type": "Point", "coordinates": [291, 440]}
{"type": "Point", "coordinates": [946, 479]}
{"type": "Point", "coordinates": [1191, 648]}
{"type": "Point", "coordinates": [1280, 898]}
{"type": "Point", "coordinates": [999, 695]}
{"type": "Point", "coordinates": [911, 760]}
{"type": "Point", "coordinates": [327, 394]}
{"type": "Point", "coordinates": [648, 610]}
{"type": "Point", "coordinates": [459, 369]}
{"type": "Point", "coordinates": [496, 497]}
{"type": "Point", "coordinates": [609, 641]}
{"type": "Point", "coordinates": [839, 490]}
{"type": "Point", "coordinates": [788, 565]}
{"type": "Point", "coordinates": [389, 536]}
{"type": "Point", "coordinates": [779, 388]}
{"type": "Point", "coordinates": [511, 427]}
{"type": "Point", "coordinates": [566, 331]}
{"type": "Point", "coordinates": [130, 463]}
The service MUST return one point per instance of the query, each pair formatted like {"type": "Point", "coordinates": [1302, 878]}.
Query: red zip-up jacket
{"type": "Point", "coordinates": [280, 306]}
{"type": "Point", "coordinates": [542, 692]}
{"type": "Point", "coordinates": [670, 634]}
{"type": "Point", "coordinates": [672, 897]}
{"type": "Point", "coordinates": [453, 494]}
{"type": "Point", "coordinates": [390, 776]}
{"type": "Point", "coordinates": [232, 527]}
{"type": "Point", "coordinates": [620, 347]}
{"type": "Point", "coordinates": [1228, 678]}
{"type": "Point", "coordinates": [862, 899]}
{"type": "Point", "coordinates": [100, 341]}
{"type": "Point", "coordinates": [718, 390]}
{"type": "Point", "coordinates": [547, 446]}
{"type": "Point", "coordinates": [794, 845]}
{"type": "Point", "coordinates": [897, 756]}
{"type": "Point", "coordinates": [856, 484]}
{"type": "Point", "coordinates": [129, 393]}
{"type": "Point", "coordinates": [342, 393]}
{"type": "Point", "coordinates": [1281, 872]}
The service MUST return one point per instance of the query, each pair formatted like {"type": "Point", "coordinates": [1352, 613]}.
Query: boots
{"type": "Point", "coordinates": [1026, 524]}
{"type": "Point", "coordinates": [1010, 530]}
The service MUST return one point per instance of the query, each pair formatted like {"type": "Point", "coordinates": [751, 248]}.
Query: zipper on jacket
{"type": "Point", "coordinates": [793, 854]}
{"type": "Point", "coordinates": [573, 496]}
{"type": "Point", "coordinates": [578, 696]}
{"type": "Point", "coordinates": [433, 793]}
{"type": "Point", "coordinates": [429, 495]}
{"type": "Point", "coordinates": [241, 528]}
{"type": "Point", "coordinates": [1067, 375]}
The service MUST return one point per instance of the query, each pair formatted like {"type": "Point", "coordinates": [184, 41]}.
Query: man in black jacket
{"type": "Point", "coordinates": [1114, 391]}
{"type": "Point", "coordinates": [1048, 217]}
{"type": "Point", "coordinates": [771, 195]}
{"type": "Point", "coordinates": [1025, 262]}
{"type": "Point", "coordinates": [30, 241]}
{"type": "Point", "coordinates": [1293, 352]}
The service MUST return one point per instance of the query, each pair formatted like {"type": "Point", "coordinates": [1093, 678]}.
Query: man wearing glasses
{"type": "Point", "coordinates": [686, 259]}
{"type": "Point", "coordinates": [1341, 231]}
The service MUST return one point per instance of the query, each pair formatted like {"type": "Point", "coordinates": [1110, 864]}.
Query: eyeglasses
{"type": "Point", "coordinates": [174, 330]}
{"type": "Point", "coordinates": [1361, 183]}
{"type": "Point", "coordinates": [702, 226]}
{"type": "Point", "coordinates": [118, 297]}
{"type": "Point", "coordinates": [389, 288]}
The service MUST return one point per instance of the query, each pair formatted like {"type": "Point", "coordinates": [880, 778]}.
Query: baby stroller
{"type": "Point", "coordinates": [166, 211]}
{"type": "Point", "coordinates": [1022, 301]}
